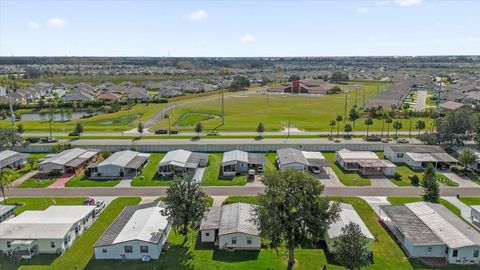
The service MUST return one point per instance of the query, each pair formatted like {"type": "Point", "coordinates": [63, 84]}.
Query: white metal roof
{"type": "Point", "coordinates": [177, 158]}
{"type": "Point", "coordinates": [448, 233]}
{"type": "Point", "coordinates": [145, 225]}
{"type": "Point", "coordinates": [237, 218]}
{"type": "Point", "coordinates": [52, 223]}
{"type": "Point", "coordinates": [6, 154]}
{"type": "Point", "coordinates": [346, 154]}
{"type": "Point", "coordinates": [69, 155]}
{"type": "Point", "coordinates": [121, 158]}
{"type": "Point", "coordinates": [420, 157]}
{"type": "Point", "coordinates": [235, 155]}
{"type": "Point", "coordinates": [347, 215]}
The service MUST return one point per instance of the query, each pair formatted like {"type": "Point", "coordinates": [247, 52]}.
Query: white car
{"type": "Point", "coordinates": [99, 205]}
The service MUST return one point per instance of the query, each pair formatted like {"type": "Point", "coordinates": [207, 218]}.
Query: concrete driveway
{"type": "Point", "coordinates": [332, 180]}
{"type": "Point", "coordinates": [461, 180]}
{"type": "Point", "coordinates": [380, 181]}
{"type": "Point", "coordinates": [375, 202]}
{"type": "Point", "coordinates": [421, 103]}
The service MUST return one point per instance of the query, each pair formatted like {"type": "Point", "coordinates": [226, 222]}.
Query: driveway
{"type": "Point", "coordinates": [332, 180]}
{"type": "Point", "coordinates": [375, 202]}
{"type": "Point", "coordinates": [381, 181]}
{"type": "Point", "coordinates": [461, 180]}
{"type": "Point", "coordinates": [198, 176]}
{"type": "Point", "coordinates": [23, 178]}
{"type": "Point", "coordinates": [60, 182]}
{"type": "Point", "coordinates": [125, 183]}
{"type": "Point", "coordinates": [421, 103]}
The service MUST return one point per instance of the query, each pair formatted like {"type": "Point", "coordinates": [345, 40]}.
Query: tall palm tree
{"type": "Point", "coordinates": [6, 180]}
{"type": "Point", "coordinates": [397, 125]}
{"type": "Point", "coordinates": [368, 122]}
{"type": "Point", "coordinates": [339, 119]}
{"type": "Point", "coordinates": [388, 120]}
{"type": "Point", "coordinates": [332, 124]}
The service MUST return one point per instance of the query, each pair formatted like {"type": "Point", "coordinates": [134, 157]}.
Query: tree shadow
{"type": "Point", "coordinates": [199, 245]}
{"type": "Point", "coordinates": [39, 260]}
{"type": "Point", "coordinates": [235, 256]}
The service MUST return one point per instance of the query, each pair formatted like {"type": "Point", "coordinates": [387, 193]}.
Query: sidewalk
{"type": "Point", "coordinates": [375, 202]}
{"type": "Point", "coordinates": [23, 178]}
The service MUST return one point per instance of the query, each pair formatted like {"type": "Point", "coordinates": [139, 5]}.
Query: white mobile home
{"type": "Point", "coordinates": [6, 212]}
{"type": "Point", "coordinates": [428, 230]}
{"type": "Point", "coordinates": [304, 161]}
{"type": "Point", "coordinates": [231, 227]}
{"type": "Point", "coordinates": [52, 230]}
{"type": "Point", "coordinates": [347, 215]}
{"type": "Point", "coordinates": [364, 162]}
{"type": "Point", "coordinates": [418, 156]}
{"type": "Point", "coordinates": [238, 162]}
{"type": "Point", "coordinates": [139, 232]}
{"type": "Point", "coordinates": [120, 164]}
{"type": "Point", "coordinates": [181, 161]}
{"type": "Point", "coordinates": [12, 160]}
{"type": "Point", "coordinates": [69, 161]}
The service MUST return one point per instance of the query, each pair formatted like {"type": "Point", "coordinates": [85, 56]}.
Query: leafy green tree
{"type": "Point", "coordinates": [105, 154]}
{"type": "Point", "coordinates": [467, 157]}
{"type": "Point", "coordinates": [20, 129]}
{"type": "Point", "coordinates": [332, 124]}
{"type": "Point", "coordinates": [140, 128]}
{"type": "Point", "coordinates": [293, 78]}
{"type": "Point", "coordinates": [339, 119]}
{"type": "Point", "coordinates": [354, 115]}
{"type": "Point", "coordinates": [79, 128]}
{"type": "Point", "coordinates": [291, 211]}
{"type": "Point", "coordinates": [198, 128]}
{"type": "Point", "coordinates": [31, 161]}
{"type": "Point", "coordinates": [260, 129]}
{"type": "Point", "coordinates": [6, 180]}
{"type": "Point", "coordinates": [420, 125]}
{"type": "Point", "coordinates": [368, 123]}
{"type": "Point", "coordinates": [397, 125]}
{"type": "Point", "coordinates": [347, 128]}
{"type": "Point", "coordinates": [350, 248]}
{"type": "Point", "coordinates": [9, 137]}
{"type": "Point", "coordinates": [186, 205]}
{"type": "Point", "coordinates": [431, 190]}
{"type": "Point", "coordinates": [239, 82]}
{"type": "Point", "coordinates": [4, 114]}
{"type": "Point", "coordinates": [68, 114]}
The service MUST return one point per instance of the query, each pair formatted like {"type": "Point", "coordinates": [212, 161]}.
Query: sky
{"type": "Point", "coordinates": [239, 28]}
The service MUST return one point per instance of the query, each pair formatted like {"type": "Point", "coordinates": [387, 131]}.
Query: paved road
{"type": "Point", "coordinates": [231, 191]}
{"type": "Point", "coordinates": [421, 103]}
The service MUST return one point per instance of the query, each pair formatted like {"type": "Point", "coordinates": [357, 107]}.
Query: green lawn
{"type": "Point", "coordinates": [474, 177]}
{"type": "Point", "coordinates": [470, 200]}
{"type": "Point", "coordinates": [81, 252]}
{"type": "Point", "coordinates": [149, 174]}
{"type": "Point", "coordinates": [212, 174]}
{"type": "Point", "coordinates": [405, 172]}
{"type": "Point", "coordinates": [27, 168]}
{"type": "Point", "coordinates": [189, 120]}
{"type": "Point", "coordinates": [445, 180]}
{"type": "Point", "coordinates": [347, 178]}
{"type": "Point", "coordinates": [41, 203]}
{"type": "Point", "coordinates": [81, 180]}
{"type": "Point", "coordinates": [243, 199]}
{"type": "Point", "coordinates": [38, 182]}
{"type": "Point", "coordinates": [244, 112]}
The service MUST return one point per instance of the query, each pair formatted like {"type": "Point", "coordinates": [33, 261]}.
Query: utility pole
{"type": "Point", "coordinates": [345, 110]}
{"type": "Point", "coordinates": [363, 100]}
{"type": "Point", "coordinates": [356, 93]}
{"type": "Point", "coordinates": [12, 115]}
{"type": "Point", "coordinates": [223, 109]}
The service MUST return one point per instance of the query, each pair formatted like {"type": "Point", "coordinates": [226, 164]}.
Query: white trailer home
{"type": "Point", "coordinates": [119, 164]}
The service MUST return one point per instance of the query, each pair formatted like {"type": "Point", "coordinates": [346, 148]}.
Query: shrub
{"type": "Point", "coordinates": [54, 174]}
{"type": "Point", "coordinates": [414, 179]}
{"type": "Point", "coordinates": [397, 176]}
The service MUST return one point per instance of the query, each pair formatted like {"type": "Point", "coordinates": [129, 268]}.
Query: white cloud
{"type": "Point", "coordinates": [407, 3]}
{"type": "Point", "coordinates": [362, 10]}
{"type": "Point", "coordinates": [197, 15]}
{"type": "Point", "coordinates": [33, 25]}
{"type": "Point", "coordinates": [57, 22]}
{"type": "Point", "coordinates": [383, 2]}
{"type": "Point", "coordinates": [247, 38]}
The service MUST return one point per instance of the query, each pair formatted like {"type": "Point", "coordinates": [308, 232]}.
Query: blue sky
{"type": "Point", "coordinates": [238, 28]}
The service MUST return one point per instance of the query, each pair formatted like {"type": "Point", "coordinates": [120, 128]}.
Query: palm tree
{"type": "Point", "coordinates": [347, 128]}
{"type": "Point", "coordinates": [339, 119]}
{"type": "Point", "coordinates": [397, 125]}
{"type": "Point", "coordinates": [384, 116]}
{"type": "Point", "coordinates": [420, 125]}
{"type": "Point", "coordinates": [332, 124]}
{"type": "Point", "coordinates": [368, 122]}
{"type": "Point", "coordinates": [388, 120]}
{"type": "Point", "coordinates": [6, 180]}
{"type": "Point", "coordinates": [260, 129]}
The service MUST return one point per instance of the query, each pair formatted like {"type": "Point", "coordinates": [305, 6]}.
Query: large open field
{"type": "Point", "coordinates": [243, 112]}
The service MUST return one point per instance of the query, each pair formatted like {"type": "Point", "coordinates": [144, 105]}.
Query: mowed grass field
{"type": "Point", "coordinates": [122, 120]}
{"type": "Point", "coordinates": [244, 111]}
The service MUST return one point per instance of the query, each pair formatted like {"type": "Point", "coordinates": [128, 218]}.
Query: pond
{"type": "Point", "coordinates": [45, 116]}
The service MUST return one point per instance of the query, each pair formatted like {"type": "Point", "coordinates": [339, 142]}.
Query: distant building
{"type": "Point", "coordinates": [139, 232]}
{"type": "Point", "coordinates": [450, 106]}
{"type": "Point", "coordinates": [304, 87]}
{"type": "Point", "coordinates": [231, 227]}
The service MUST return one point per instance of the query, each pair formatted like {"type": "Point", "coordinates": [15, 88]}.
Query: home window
{"type": "Point", "coordinates": [475, 253]}
{"type": "Point", "coordinates": [128, 249]}
{"type": "Point", "coordinates": [429, 249]}
{"type": "Point", "coordinates": [399, 155]}
{"type": "Point", "coordinates": [143, 249]}
{"type": "Point", "coordinates": [234, 240]}
{"type": "Point", "coordinates": [104, 250]}
{"type": "Point", "coordinates": [455, 253]}
{"type": "Point", "coordinates": [249, 240]}
{"type": "Point", "coordinates": [52, 244]}
{"type": "Point", "coordinates": [9, 245]}
{"type": "Point", "coordinates": [207, 234]}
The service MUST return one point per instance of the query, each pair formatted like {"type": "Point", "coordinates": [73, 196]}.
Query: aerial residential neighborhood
{"type": "Point", "coordinates": [235, 135]}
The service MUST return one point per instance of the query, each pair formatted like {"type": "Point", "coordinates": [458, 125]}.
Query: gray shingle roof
{"type": "Point", "coordinates": [212, 219]}
{"type": "Point", "coordinates": [237, 218]}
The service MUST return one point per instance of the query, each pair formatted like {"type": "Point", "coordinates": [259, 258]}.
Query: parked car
{"type": "Point", "coordinates": [89, 201]}
{"type": "Point", "coordinates": [260, 168]}
{"type": "Point", "coordinates": [161, 131]}
{"type": "Point", "coordinates": [99, 205]}
{"type": "Point", "coordinates": [373, 138]}
{"type": "Point", "coordinates": [403, 141]}
{"type": "Point", "coordinates": [213, 133]}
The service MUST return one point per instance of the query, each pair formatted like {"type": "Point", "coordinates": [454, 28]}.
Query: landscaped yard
{"type": "Point", "coordinates": [149, 176]}
{"type": "Point", "coordinates": [41, 203]}
{"type": "Point", "coordinates": [38, 182]}
{"type": "Point", "coordinates": [470, 200]}
{"type": "Point", "coordinates": [81, 252]}
{"type": "Point", "coordinates": [347, 178]}
{"type": "Point", "coordinates": [405, 172]}
{"type": "Point", "coordinates": [243, 199]}
{"type": "Point", "coordinates": [27, 168]}
{"type": "Point", "coordinates": [81, 180]}
{"type": "Point", "coordinates": [212, 174]}
{"type": "Point", "coordinates": [445, 180]}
